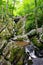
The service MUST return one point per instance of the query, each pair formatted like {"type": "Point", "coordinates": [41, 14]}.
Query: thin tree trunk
{"type": "Point", "coordinates": [36, 14]}
{"type": "Point", "coordinates": [7, 6]}
{"type": "Point", "coordinates": [2, 12]}
{"type": "Point", "coordinates": [13, 5]}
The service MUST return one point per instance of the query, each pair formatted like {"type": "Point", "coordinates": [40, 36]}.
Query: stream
{"type": "Point", "coordinates": [36, 59]}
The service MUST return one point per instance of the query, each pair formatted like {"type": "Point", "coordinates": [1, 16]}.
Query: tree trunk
{"type": "Point", "coordinates": [7, 6]}
{"type": "Point", "coordinates": [2, 12]}
{"type": "Point", "coordinates": [36, 14]}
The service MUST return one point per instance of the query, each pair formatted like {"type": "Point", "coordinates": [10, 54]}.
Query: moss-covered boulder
{"type": "Point", "coordinates": [19, 27]}
{"type": "Point", "coordinates": [7, 28]}
{"type": "Point", "coordinates": [32, 33]}
{"type": "Point", "coordinates": [36, 42]}
{"type": "Point", "coordinates": [13, 52]}
{"type": "Point", "coordinates": [11, 26]}
{"type": "Point", "coordinates": [5, 34]}
{"type": "Point", "coordinates": [41, 38]}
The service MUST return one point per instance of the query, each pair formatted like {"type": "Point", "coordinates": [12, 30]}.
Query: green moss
{"type": "Point", "coordinates": [16, 53]}
{"type": "Point", "coordinates": [20, 31]}
{"type": "Point", "coordinates": [19, 24]}
{"type": "Point", "coordinates": [3, 43]}
{"type": "Point", "coordinates": [20, 62]}
{"type": "Point", "coordinates": [13, 54]}
{"type": "Point", "coordinates": [5, 34]}
{"type": "Point", "coordinates": [19, 54]}
{"type": "Point", "coordinates": [42, 36]}
{"type": "Point", "coordinates": [2, 26]}
{"type": "Point", "coordinates": [36, 42]}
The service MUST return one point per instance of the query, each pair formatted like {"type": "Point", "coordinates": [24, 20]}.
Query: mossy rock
{"type": "Point", "coordinates": [8, 47]}
{"type": "Point", "coordinates": [19, 24]}
{"type": "Point", "coordinates": [30, 62]}
{"type": "Point", "coordinates": [36, 42]}
{"type": "Point", "coordinates": [2, 44]}
{"type": "Point", "coordinates": [20, 31]}
{"type": "Point", "coordinates": [3, 61]}
{"type": "Point", "coordinates": [2, 26]}
{"type": "Point", "coordinates": [32, 33]}
{"type": "Point", "coordinates": [10, 25]}
{"type": "Point", "coordinates": [41, 38]}
{"type": "Point", "coordinates": [19, 27]}
{"type": "Point", "coordinates": [15, 54]}
{"type": "Point", "coordinates": [12, 51]}
{"type": "Point", "coordinates": [5, 34]}
{"type": "Point", "coordinates": [12, 54]}
{"type": "Point", "coordinates": [20, 62]}
{"type": "Point", "coordinates": [7, 28]}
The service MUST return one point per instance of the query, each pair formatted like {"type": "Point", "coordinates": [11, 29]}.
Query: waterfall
{"type": "Point", "coordinates": [31, 51]}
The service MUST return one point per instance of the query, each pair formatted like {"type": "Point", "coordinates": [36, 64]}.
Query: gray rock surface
{"type": "Point", "coordinates": [37, 61]}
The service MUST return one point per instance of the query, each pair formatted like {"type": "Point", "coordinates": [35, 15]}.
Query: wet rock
{"type": "Point", "coordinates": [39, 53]}
{"type": "Point", "coordinates": [37, 61]}
{"type": "Point", "coordinates": [30, 49]}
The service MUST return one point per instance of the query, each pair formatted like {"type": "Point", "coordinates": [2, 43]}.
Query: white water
{"type": "Point", "coordinates": [32, 54]}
